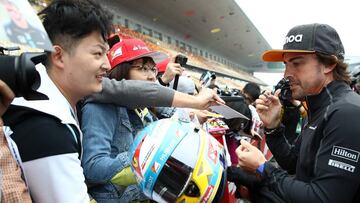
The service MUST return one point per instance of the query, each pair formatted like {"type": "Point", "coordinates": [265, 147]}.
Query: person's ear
{"type": "Point", "coordinates": [330, 68]}
{"type": "Point", "coordinates": [57, 56]}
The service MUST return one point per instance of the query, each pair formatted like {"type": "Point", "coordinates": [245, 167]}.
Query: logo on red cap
{"type": "Point", "coordinates": [132, 49]}
{"type": "Point", "coordinates": [116, 53]}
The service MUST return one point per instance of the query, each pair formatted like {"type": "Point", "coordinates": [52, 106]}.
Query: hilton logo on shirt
{"type": "Point", "coordinates": [345, 153]}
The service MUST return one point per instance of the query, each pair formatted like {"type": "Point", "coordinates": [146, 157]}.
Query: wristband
{"type": "Point", "coordinates": [260, 169]}
{"type": "Point", "coordinates": [162, 82]}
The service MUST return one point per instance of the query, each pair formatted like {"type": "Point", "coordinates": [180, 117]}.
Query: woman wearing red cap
{"type": "Point", "coordinates": [108, 136]}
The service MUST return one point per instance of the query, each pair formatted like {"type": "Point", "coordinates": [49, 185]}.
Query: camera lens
{"type": "Point", "coordinates": [7, 73]}
{"type": "Point", "coordinates": [19, 73]}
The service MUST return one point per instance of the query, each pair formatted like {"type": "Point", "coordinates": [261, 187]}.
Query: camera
{"type": "Point", "coordinates": [19, 73]}
{"type": "Point", "coordinates": [181, 59]}
{"type": "Point", "coordinates": [206, 78]}
{"type": "Point", "coordinates": [285, 95]}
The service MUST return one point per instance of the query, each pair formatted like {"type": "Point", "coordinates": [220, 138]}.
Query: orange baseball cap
{"type": "Point", "coordinates": [309, 38]}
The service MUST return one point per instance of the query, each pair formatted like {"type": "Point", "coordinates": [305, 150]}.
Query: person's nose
{"type": "Point", "coordinates": [106, 64]}
{"type": "Point", "coordinates": [151, 76]}
{"type": "Point", "coordinates": [288, 72]}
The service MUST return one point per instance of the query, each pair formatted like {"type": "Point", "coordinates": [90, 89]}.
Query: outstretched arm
{"type": "Point", "coordinates": [136, 93]}
{"type": "Point", "coordinates": [133, 93]}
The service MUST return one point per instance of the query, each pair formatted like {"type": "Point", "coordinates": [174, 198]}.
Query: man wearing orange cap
{"type": "Point", "coordinates": [325, 158]}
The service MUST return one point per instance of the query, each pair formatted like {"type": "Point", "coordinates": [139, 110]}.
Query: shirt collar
{"type": "Point", "coordinates": [57, 105]}
{"type": "Point", "coordinates": [327, 96]}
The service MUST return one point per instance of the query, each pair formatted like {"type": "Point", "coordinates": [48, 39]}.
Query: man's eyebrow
{"type": "Point", "coordinates": [103, 47]}
{"type": "Point", "coordinates": [293, 59]}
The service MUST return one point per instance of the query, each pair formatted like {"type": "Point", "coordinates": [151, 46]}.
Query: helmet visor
{"type": "Point", "coordinates": [177, 171]}
{"type": "Point", "coordinates": [172, 179]}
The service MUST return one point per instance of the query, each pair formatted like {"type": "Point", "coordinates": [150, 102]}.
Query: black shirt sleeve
{"type": "Point", "coordinates": [285, 154]}
{"type": "Point", "coordinates": [336, 172]}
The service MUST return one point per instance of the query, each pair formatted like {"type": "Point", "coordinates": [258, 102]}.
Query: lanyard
{"type": "Point", "coordinates": [142, 113]}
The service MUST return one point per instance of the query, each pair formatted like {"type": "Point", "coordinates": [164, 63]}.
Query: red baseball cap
{"type": "Point", "coordinates": [162, 65]}
{"type": "Point", "coordinates": [131, 49]}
